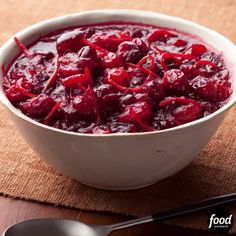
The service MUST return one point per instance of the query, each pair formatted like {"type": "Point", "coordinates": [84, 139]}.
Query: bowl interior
{"type": "Point", "coordinates": [9, 50]}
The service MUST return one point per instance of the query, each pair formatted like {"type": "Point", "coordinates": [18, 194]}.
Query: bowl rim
{"type": "Point", "coordinates": [135, 13]}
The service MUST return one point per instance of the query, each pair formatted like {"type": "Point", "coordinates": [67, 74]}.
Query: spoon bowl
{"type": "Point", "coordinates": [56, 227]}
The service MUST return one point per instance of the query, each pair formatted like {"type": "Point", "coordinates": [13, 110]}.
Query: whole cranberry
{"type": "Point", "coordinates": [103, 90]}
{"type": "Point", "coordinates": [137, 77]}
{"type": "Point", "coordinates": [39, 106]}
{"type": "Point", "coordinates": [84, 104]}
{"type": "Point", "coordinates": [87, 56]}
{"type": "Point", "coordinates": [129, 52]}
{"type": "Point", "coordinates": [185, 113]}
{"type": "Point", "coordinates": [111, 60]}
{"type": "Point", "coordinates": [70, 41]}
{"type": "Point", "coordinates": [142, 45]}
{"type": "Point", "coordinates": [136, 113]}
{"type": "Point", "coordinates": [14, 95]}
{"type": "Point", "coordinates": [108, 99]}
{"type": "Point", "coordinates": [210, 89]}
{"type": "Point", "coordinates": [68, 64]}
{"type": "Point", "coordinates": [155, 90]}
{"type": "Point", "coordinates": [176, 81]}
{"type": "Point", "coordinates": [189, 70]}
{"type": "Point", "coordinates": [118, 75]}
{"type": "Point", "coordinates": [207, 70]}
{"type": "Point", "coordinates": [179, 110]}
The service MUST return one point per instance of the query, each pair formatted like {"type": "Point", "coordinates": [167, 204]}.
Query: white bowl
{"type": "Point", "coordinates": [118, 161]}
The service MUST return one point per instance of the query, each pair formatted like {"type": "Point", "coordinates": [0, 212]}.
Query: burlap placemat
{"type": "Point", "coordinates": [24, 175]}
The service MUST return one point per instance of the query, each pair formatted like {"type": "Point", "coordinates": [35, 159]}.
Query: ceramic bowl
{"type": "Point", "coordinates": [119, 161]}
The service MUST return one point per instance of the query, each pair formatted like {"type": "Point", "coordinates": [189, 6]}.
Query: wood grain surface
{"type": "Point", "coordinates": [219, 15]}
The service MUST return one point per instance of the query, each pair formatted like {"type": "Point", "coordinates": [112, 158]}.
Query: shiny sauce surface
{"type": "Point", "coordinates": [117, 77]}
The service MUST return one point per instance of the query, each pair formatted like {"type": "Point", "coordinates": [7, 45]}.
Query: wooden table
{"type": "Point", "coordinates": [17, 14]}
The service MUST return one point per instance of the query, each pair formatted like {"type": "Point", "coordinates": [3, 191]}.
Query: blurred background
{"type": "Point", "coordinates": [219, 15]}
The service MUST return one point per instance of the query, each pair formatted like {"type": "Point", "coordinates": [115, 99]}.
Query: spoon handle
{"type": "Point", "coordinates": [206, 204]}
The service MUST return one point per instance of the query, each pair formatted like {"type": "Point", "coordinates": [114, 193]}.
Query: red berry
{"type": "Point", "coordinates": [112, 60]}
{"type": "Point", "coordinates": [14, 95]}
{"type": "Point", "coordinates": [141, 44]}
{"type": "Point", "coordinates": [185, 113]}
{"type": "Point", "coordinates": [140, 111]}
{"type": "Point", "coordinates": [84, 104]}
{"type": "Point", "coordinates": [129, 52]}
{"type": "Point", "coordinates": [156, 90]}
{"type": "Point", "coordinates": [39, 106]}
{"type": "Point", "coordinates": [20, 90]}
{"type": "Point", "coordinates": [103, 90]}
{"type": "Point", "coordinates": [70, 41]}
{"type": "Point", "coordinates": [189, 70]}
{"type": "Point", "coordinates": [180, 110]}
{"type": "Point", "coordinates": [210, 89]}
{"type": "Point", "coordinates": [80, 80]}
{"type": "Point", "coordinates": [68, 64]}
{"type": "Point", "coordinates": [176, 81]}
{"type": "Point", "coordinates": [87, 57]}
{"type": "Point", "coordinates": [206, 68]}
{"type": "Point", "coordinates": [118, 75]}
{"type": "Point", "coordinates": [108, 99]}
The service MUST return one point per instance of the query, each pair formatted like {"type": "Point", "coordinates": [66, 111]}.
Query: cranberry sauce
{"type": "Point", "coordinates": [117, 77]}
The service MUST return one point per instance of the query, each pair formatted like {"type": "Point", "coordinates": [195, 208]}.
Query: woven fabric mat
{"type": "Point", "coordinates": [24, 175]}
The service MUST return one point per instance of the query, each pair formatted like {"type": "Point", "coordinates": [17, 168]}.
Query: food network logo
{"type": "Point", "coordinates": [220, 221]}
